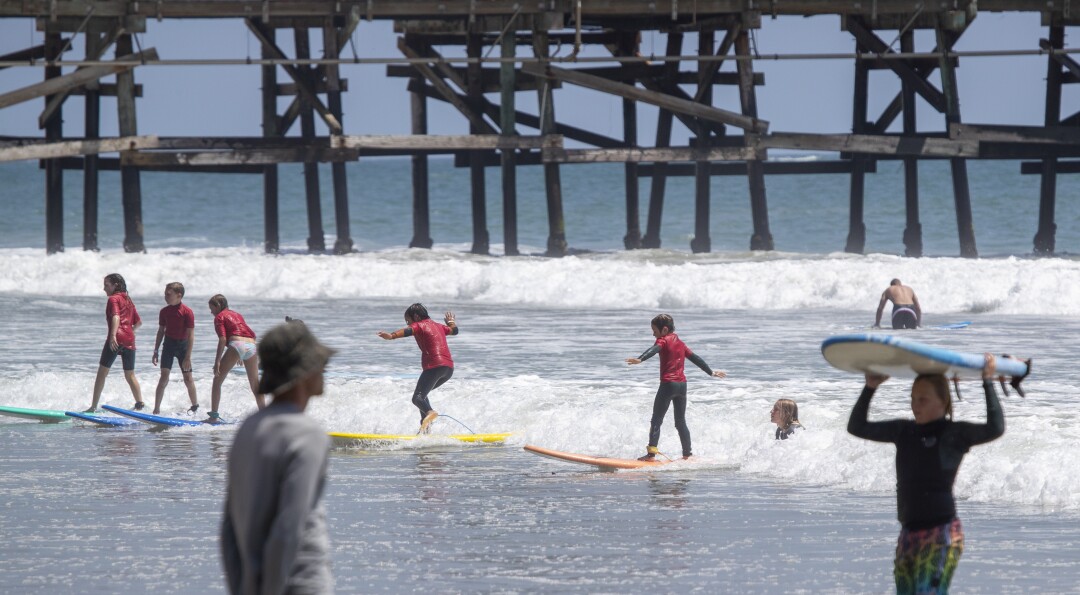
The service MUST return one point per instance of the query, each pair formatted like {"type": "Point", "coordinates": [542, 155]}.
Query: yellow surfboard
{"type": "Point", "coordinates": [343, 438]}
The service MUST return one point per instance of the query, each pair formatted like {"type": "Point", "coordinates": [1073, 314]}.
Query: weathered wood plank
{"type": "Point", "coordinates": [673, 104]}
{"type": "Point", "coordinates": [771, 168]}
{"type": "Point", "coordinates": [99, 50]}
{"type": "Point", "coordinates": [871, 144]}
{"type": "Point", "coordinates": [1061, 167]}
{"type": "Point", "coordinates": [903, 69]}
{"type": "Point", "coordinates": [1014, 134]}
{"type": "Point", "coordinates": [447, 142]}
{"type": "Point", "coordinates": [51, 150]}
{"type": "Point", "coordinates": [664, 154]}
{"type": "Point", "coordinates": [256, 157]}
{"type": "Point", "coordinates": [75, 79]}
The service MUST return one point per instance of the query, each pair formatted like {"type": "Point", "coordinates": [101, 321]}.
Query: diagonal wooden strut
{"type": "Point", "coordinates": [75, 79]}
{"type": "Point", "coordinates": [661, 100]}
{"type": "Point", "coordinates": [910, 75]}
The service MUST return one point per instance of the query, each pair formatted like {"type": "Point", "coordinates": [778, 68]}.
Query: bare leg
{"type": "Point", "coordinates": [252, 367]}
{"type": "Point", "coordinates": [228, 360]}
{"type": "Point", "coordinates": [99, 385]}
{"type": "Point", "coordinates": [133, 383]}
{"type": "Point", "coordinates": [159, 393]}
{"type": "Point", "coordinates": [189, 381]}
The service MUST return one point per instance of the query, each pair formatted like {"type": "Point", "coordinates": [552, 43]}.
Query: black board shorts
{"type": "Point", "coordinates": [108, 356]}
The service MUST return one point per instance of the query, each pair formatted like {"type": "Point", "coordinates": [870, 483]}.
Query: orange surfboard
{"type": "Point", "coordinates": [602, 463]}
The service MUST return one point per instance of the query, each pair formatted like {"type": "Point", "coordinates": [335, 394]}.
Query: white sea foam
{"type": "Point", "coordinates": [639, 279]}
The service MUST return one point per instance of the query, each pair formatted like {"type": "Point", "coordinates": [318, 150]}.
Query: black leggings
{"type": "Point", "coordinates": [428, 381]}
{"type": "Point", "coordinates": [668, 393]}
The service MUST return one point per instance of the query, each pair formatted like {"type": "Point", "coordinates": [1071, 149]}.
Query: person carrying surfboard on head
{"type": "Point", "coordinates": [906, 312]}
{"type": "Point", "coordinates": [785, 414]}
{"type": "Point", "coordinates": [928, 454]}
{"type": "Point", "coordinates": [273, 533]}
{"type": "Point", "coordinates": [123, 320]}
{"type": "Point", "coordinates": [673, 355]}
{"type": "Point", "coordinates": [434, 355]}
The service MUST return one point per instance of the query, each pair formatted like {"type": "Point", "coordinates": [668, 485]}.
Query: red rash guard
{"type": "Point", "coordinates": [673, 354]}
{"type": "Point", "coordinates": [176, 320]}
{"type": "Point", "coordinates": [431, 338]}
{"type": "Point", "coordinates": [229, 323]}
{"type": "Point", "coordinates": [120, 304]}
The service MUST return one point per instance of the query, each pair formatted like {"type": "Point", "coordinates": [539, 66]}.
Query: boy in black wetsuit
{"type": "Point", "coordinates": [673, 354]}
{"type": "Point", "coordinates": [928, 455]}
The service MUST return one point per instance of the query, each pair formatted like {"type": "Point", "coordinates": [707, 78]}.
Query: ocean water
{"type": "Point", "coordinates": [541, 354]}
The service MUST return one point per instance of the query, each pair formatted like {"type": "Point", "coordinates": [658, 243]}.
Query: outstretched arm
{"type": "Point", "coordinates": [704, 366]}
{"type": "Point", "coordinates": [644, 355]}
{"type": "Point", "coordinates": [401, 332]}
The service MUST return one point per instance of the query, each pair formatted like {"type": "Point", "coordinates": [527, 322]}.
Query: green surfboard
{"type": "Point", "coordinates": [45, 416]}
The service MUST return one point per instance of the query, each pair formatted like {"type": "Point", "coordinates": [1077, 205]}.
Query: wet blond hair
{"type": "Point", "coordinates": [789, 413]}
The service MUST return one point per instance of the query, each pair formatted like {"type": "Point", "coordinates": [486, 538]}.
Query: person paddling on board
{"type": "Point", "coordinates": [123, 320]}
{"type": "Point", "coordinates": [435, 355]}
{"type": "Point", "coordinates": [785, 414]}
{"type": "Point", "coordinates": [673, 355]}
{"type": "Point", "coordinates": [906, 312]}
{"type": "Point", "coordinates": [928, 454]}
{"type": "Point", "coordinates": [176, 326]}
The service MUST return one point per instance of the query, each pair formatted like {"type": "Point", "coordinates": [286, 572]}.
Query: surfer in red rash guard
{"type": "Point", "coordinates": [123, 320]}
{"type": "Point", "coordinates": [435, 355]}
{"type": "Point", "coordinates": [673, 355]}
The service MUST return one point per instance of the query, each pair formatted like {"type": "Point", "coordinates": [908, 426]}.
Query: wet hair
{"type": "Point", "coordinates": [940, 384]}
{"type": "Point", "coordinates": [219, 301]}
{"type": "Point", "coordinates": [895, 282]}
{"type": "Point", "coordinates": [176, 287]}
{"type": "Point", "coordinates": [662, 320]}
{"type": "Point", "coordinates": [417, 311]}
{"type": "Point", "coordinates": [118, 280]}
{"type": "Point", "coordinates": [789, 413]}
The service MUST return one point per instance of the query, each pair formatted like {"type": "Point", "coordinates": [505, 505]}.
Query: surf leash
{"type": "Point", "coordinates": [459, 422]}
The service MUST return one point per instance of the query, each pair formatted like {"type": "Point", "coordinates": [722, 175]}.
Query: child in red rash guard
{"type": "Point", "coordinates": [673, 354]}
{"type": "Point", "coordinates": [123, 319]}
{"type": "Point", "coordinates": [435, 355]}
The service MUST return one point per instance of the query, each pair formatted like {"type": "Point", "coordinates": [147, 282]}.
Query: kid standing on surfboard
{"type": "Point", "coordinates": [123, 319]}
{"type": "Point", "coordinates": [435, 355]}
{"type": "Point", "coordinates": [673, 355]}
{"type": "Point", "coordinates": [236, 343]}
{"type": "Point", "coordinates": [928, 455]}
{"type": "Point", "coordinates": [176, 326]}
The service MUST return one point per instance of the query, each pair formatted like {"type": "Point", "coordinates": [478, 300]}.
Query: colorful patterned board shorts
{"type": "Point", "coordinates": [926, 558]}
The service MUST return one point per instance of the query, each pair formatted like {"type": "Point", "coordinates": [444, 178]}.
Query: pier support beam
{"type": "Point", "coordinates": [344, 243]}
{"type": "Point", "coordinates": [92, 120]}
{"type": "Point", "coordinates": [270, 128]}
{"type": "Point", "coordinates": [421, 209]}
{"type": "Point", "coordinates": [961, 193]}
{"type": "Point", "coordinates": [316, 237]}
{"type": "Point", "coordinates": [702, 241]}
{"type": "Point", "coordinates": [755, 171]}
{"type": "Point", "coordinates": [508, 157]}
{"type": "Point", "coordinates": [913, 228]}
{"type": "Point", "coordinates": [856, 239]}
{"type": "Point", "coordinates": [131, 185]}
{"type": "Point", "coordinates": [556, 244]}
{"type": "Point", "coordinates": [54, 173]}
{"type": "Point", "coordinates": [663, 139]}
{"type": "Point", "coordinates": [1045, 236]}
{"type": "Point", "coordinates": [628, 44]}
{"type": "Point", "coordinates": [478, 183]}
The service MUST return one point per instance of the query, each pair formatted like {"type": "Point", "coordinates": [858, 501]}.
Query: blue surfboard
{"type": "Point", "coordinates": [951, 326]}
{"type": "Point", "coordinates": [102, 420]}
{"type": "Point", "coordinates": [154, 420]}
{"type": "Point", "coordinates": [893, 356]}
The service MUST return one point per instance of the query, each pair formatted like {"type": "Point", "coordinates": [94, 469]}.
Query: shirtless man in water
{"type": "Point", "coordinates": [906, 312]}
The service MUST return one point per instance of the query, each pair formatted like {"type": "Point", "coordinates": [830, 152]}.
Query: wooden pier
{"type": "Point", "coordinates": [725, 140]}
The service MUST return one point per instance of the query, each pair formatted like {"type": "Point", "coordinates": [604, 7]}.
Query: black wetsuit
{"type": "Point", "coordinates": [785, 433]}
{"type": "Point", "coordinates": [927, 456]}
